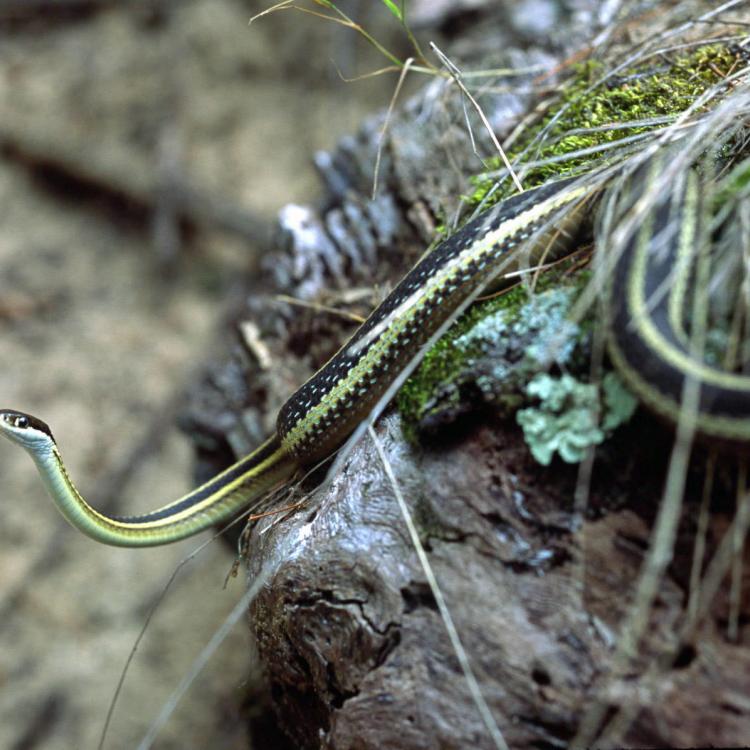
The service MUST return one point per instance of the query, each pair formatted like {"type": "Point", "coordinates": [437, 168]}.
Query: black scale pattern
{"type": "Point", "coordinates": [335, 422]}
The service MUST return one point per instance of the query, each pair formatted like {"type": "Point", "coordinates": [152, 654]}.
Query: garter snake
{"type": "Point", "coordinates": [648, 342]}
{"type": "Point", "coordinates": [325, 410]}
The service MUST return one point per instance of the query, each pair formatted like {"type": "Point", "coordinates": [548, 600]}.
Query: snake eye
{"type": "Point", "coordinates": [21, 422]}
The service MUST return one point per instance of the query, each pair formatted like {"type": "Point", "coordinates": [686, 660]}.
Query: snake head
{"type": "Point", "coordinates": [29, 432]}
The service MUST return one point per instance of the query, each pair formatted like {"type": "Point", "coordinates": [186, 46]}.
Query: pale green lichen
{"type": "Point", "coordinates": [515, 345]}
{"type": "Point", "coordinates": [572, 416]}
{"type": "Point", "coordinates": [492, 352]}
{"type": "Point", "coordinates": [495, 355]}
{"type": "Point", "coordinates": [544, 314]}
{"type": "Point", "coordinates": [619, 402]}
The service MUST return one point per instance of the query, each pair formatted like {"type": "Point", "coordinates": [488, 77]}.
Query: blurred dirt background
{"type": "Point", "coordinates": [119, 123]}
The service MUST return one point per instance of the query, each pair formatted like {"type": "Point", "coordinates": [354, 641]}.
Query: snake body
{"type": "Point", "coordinates": [647, 341]}
{"type": "Point", "coordinates": [325, 410]}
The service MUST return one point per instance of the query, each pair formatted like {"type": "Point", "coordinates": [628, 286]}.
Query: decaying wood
{"type": "Point", "coordinates": [347, 628]}
{"type": "Point", "coordinates": [356, 651]}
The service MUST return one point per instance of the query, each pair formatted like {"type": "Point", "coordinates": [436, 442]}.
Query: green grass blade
{"type": "Point", "coordinates": [398, 12]}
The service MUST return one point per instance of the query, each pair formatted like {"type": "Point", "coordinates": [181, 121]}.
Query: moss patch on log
{"type": "Point", "coordinates": [633, 102]}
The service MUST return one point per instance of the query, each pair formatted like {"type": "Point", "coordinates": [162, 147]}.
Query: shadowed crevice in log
{"type": "Point", "coordinates": [418, 595]}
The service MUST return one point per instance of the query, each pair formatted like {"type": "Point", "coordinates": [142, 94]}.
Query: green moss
{"type": "Point", "coordinates": [664, 88]}
{"type": "Point", "coordinates": [444, 361]}
{"type": "Point", "coordinates": [735, 186]}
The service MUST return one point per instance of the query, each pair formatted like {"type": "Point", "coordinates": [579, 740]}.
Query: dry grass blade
{"type": "Point", "coordinates": [250, 514]}
{"type": "Point", "coordinates": [456, 75]}
{"type": "Point", "coordinates": [665, 529]}
{"type": "Point", "coordinates": [200, 662]}
{"type": "Point", "coordinates": [381, 138]}
{"type": "Point", "coordinates": [655, 565]}
{"type": "Point", "coordinates": [283, 5]}
{"type": "Point", "coordinates": [699, 551]}
{"type": "Point", "coordinates": [458, 648]}
{"type": "Point", "coordinates": [152, 611]}
{"type": "Point", "coordinates": [240, 610]}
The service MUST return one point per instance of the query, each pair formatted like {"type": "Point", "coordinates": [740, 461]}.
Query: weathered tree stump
{"type": "Point", "coordinates": [348, 631]}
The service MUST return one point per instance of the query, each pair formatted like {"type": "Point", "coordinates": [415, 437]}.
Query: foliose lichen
{"type": "Point", "coordinates": [572, 416]}
{"type": "Point", "coordinates": [491, 353]}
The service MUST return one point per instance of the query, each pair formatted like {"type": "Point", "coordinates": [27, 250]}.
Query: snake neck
{"type": "Point", "coordinates": [214, 502]}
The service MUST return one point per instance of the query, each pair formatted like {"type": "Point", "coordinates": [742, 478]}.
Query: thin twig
{"type": "Point", "coordinates": [319, 307]}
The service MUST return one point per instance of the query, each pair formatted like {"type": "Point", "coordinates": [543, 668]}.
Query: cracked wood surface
{"type": "Point", "coordinates": [358, 657]}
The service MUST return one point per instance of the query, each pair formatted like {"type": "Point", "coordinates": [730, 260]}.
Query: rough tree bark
{"type": "Point", "coordinates": [348, 631]}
